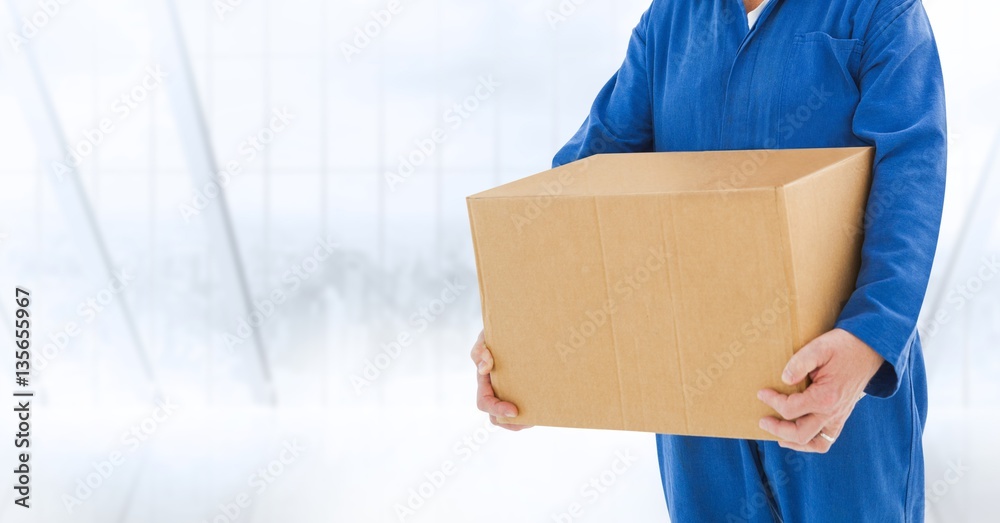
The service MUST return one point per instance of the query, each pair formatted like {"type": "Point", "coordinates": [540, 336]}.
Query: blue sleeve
{"type": "Point", "coordinates": [621, 118]}
{"type": "Point", "coordinates": [902, 113]}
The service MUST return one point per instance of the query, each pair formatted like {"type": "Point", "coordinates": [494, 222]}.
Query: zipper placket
{"type": "Point", "coordinates": [724, 128]}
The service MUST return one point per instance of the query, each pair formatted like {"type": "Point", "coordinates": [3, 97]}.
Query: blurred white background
{"type": "Point", "coordinates": [311, 414]}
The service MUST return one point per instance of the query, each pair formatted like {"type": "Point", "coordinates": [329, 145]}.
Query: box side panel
{"type": "Point", "coordinates": [731, 298]}
{"type": "Point", "coordinates": [637, 256]}
{"type": "Point", "coordinates": [479, 269]}
{"type": "Point", "coordinates": [824, 219]}
{"type": "Point", "coordinates": [544, 294]}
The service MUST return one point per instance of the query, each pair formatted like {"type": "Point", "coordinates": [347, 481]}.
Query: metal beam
{"type": "Point", "coordinates": [197, 146]}
{"type": "Point", "coordinates": [24, 74]}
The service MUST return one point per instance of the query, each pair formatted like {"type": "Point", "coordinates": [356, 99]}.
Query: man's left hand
{"type": "Point", "coordinates": [840, 366]}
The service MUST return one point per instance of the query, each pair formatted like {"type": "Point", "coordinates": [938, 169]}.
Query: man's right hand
{"type": "Point", "coordinates": [485, 399]}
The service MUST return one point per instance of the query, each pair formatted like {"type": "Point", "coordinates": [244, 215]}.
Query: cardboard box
{"type": "Point", "coordinates": [659, 292]}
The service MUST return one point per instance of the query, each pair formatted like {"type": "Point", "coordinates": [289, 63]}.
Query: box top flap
{"type": "Point", "coordinates": [676, 172]}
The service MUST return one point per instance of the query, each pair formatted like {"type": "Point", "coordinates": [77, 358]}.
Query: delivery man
{"type": "Point", "coordinates": [752, 74]}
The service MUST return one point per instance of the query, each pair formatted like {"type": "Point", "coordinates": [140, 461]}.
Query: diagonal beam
{"type": "Point", "coordinates": [25, 75]}
{"type": "Point", "coordinates": [197, 146]}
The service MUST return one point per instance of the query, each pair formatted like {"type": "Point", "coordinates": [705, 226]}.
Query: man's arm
{"type": "Point", "coordinates": [901, 113]}
{"type": "Point", "coordinates": [621, 118]}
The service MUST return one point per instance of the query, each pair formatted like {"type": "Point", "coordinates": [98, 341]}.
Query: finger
{"type": "Point", "coordinates": [800, 431]}
{"type": "Point", "coordinates": [809, 358]}
{"type": "Point", "coordinates": [832, 429]}
{"type": "Point", "coordinates": [816, 446]}
{"type": "Point", "coordinates": [508, 426]}
{"type": "Point", "coordinates": [486, 401]}
{"type": "Point", "coordinates": [793, 446]}
{"type": "Point", "coordinates": [792, 406]}
{"type": "Point", "coordinates": [819, 444]}
{"type": "Point", "coordinates": [482, 356]}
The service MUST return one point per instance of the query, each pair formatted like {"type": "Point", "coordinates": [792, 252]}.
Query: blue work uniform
{"type": "Point", "coordinates": [809, 74]}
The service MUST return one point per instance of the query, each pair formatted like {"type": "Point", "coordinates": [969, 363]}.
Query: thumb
{"type": "Point", "coordinates": [809, 358]}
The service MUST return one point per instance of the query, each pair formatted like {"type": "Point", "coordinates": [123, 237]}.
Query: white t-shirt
{"type": "Point", "coordinates": [752, 16]}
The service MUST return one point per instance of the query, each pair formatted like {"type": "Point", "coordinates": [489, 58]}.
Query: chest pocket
{"type": "Point", "coordinates": [819, 91]}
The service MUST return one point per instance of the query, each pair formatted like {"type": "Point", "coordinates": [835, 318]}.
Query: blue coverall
{"type": "Point", "coordinates": [810, 73]}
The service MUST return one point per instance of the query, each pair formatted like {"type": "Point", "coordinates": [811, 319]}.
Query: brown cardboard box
{"type": "Point", "coordinates": [659, 292]}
